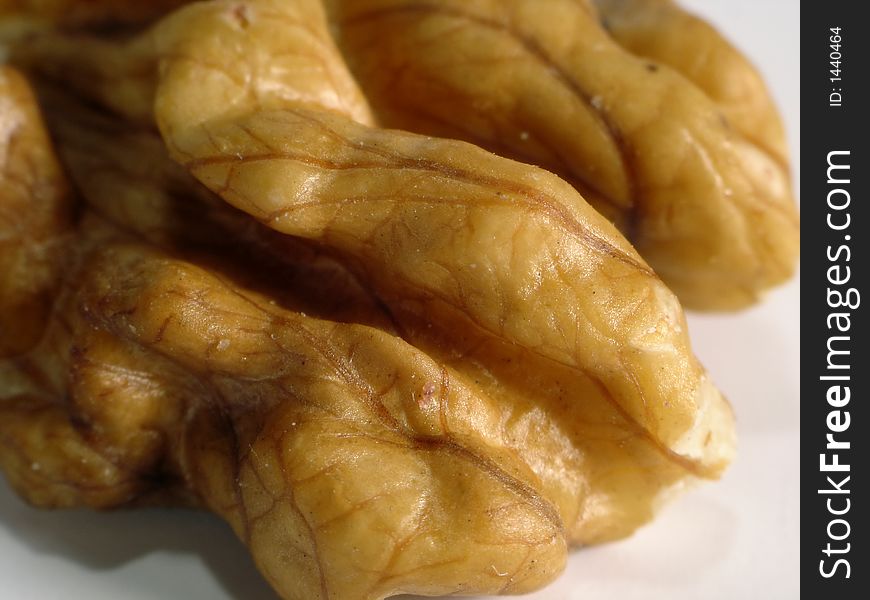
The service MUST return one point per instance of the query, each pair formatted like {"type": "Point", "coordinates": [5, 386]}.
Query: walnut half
{"type": "Point", "coordinates": [392, 363]}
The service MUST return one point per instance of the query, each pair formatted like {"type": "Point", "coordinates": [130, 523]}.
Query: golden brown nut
{"type": "Point", "coordinates": [324, 445]}
{"type": "Point", "coordinates": [686, 157]}
{"type": "Point", "coordinates": [511, 379]}
{"type": "Point", "coordinates": [438, 227]}
{"type": "Point", "coordinates": [693, 171]}
{"type": "Point", "coordinates": [34, 218]}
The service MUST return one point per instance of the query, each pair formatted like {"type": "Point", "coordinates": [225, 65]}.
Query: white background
{"type": "Point", "coordinates": [733, 540]}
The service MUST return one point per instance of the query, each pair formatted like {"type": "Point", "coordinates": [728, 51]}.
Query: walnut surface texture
{"type": "Point", "coordinates": [391, 286]}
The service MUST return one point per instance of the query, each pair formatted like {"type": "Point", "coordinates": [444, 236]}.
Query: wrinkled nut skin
{"type": "Point", "coordinates": [34, 218]}
{"type": "Point", "coordinates": [661, 31]}
{"type": "Point", "coordinates": [451, 230]}
{"type": "Point", "coordinates": [304, 434]}
{"type": "Point", "coordinates": [393, 363]}
{"type": "Point", "coordinates": [688, 159]}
